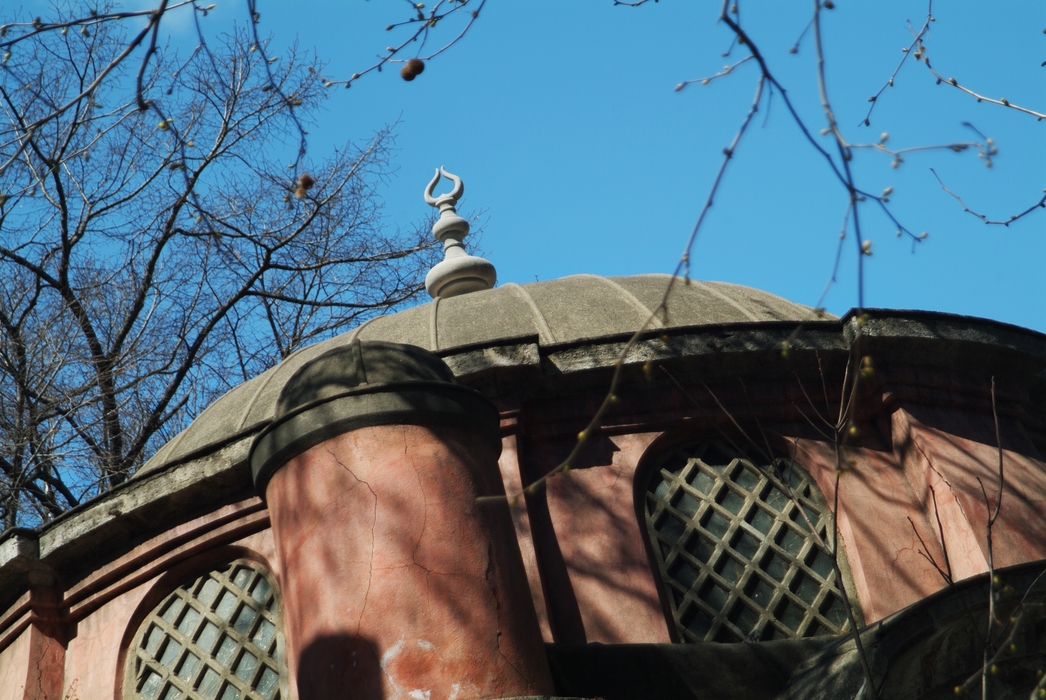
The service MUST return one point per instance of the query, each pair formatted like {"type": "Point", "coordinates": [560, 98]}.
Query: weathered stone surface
{"type": "Point", "coordinates": [558, 311]}
{"type": "Point", "coordinates": [366, 384]}
{"type": "Point", "coordinates": [105, 527]}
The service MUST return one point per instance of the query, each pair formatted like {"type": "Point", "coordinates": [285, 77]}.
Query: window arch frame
{"type": "Point", "coordinates": [189, 574]}
{"type": "Point", "coordinates": [676, 605]}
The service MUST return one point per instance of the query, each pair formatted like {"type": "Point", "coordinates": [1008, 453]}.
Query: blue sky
{"type": "Point", "coordinates": [581, 158]}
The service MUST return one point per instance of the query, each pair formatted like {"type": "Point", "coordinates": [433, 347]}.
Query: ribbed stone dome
{"type": "Point", "coordinates": [568, 310]}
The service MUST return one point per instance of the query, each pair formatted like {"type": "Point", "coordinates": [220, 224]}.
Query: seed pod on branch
{"type": "Point", "coordinates": [412, 69]}
{"type": "Point", "coordinates": [305, 182]}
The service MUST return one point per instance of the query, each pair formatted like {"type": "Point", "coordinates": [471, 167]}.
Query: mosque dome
{"type": "Point", "coordinates": [568, 489]}
{"type": "Point", "coordinates": [573, 310]}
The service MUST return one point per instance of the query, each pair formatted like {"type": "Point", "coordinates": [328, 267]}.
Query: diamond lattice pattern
{"type": "Point", "coordinates": [212, 639]}
{"type": "Point", "coordinates": [736, 553]}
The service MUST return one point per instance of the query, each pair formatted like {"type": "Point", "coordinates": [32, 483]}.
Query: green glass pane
{"type": "Point", "coordinates": [682, 571]}
{"type": "Point", "coordinates": [760, 592]}
{"type": "Point", "coordinates": [171, 609]}
{"type": "Point", "coordinates": [816, 630]}
{"type": "Point", "coordinates": [761, 520]}
{"type": "Point", "coordinates": [170, 653]}
{"type": "Point", "coordinates": [208, 590]}
{"type": "Point", "coordinates": [806, 588]}
{"type": "Point", "coordinates": [189, 621]}
{"type": "Point", "coordinates": [834, 610]}
{"type": "Point", "coordinates": [775, 565]}
{"type": "Point", "coordinates": [189, 665]}
{"type": "Point", "coordinates": [244, 619]}
{"type": "Point", "coordinates": [716, 524]}
{"type": "Point", "coordinates": [744, 617]}
{"type": "Point", "coordinates": [790, 541]}
{"type": "Point", "coordinates": [172, 694]}
{"type": "Point", "coordinates": [150, 688]}
{"type": "Point", "coordinates": [746, 544]}
{"type": "Point", "coordinates": [245, 667]}
{"type": "Point", "coordinates": [771, 633]}
{"type": "Point", "coordinates": [208, 636]}
{"type": "Point", "coordinates": [715, 596]}
{"type": "Point", "coordinates": [226, 605]}
{"type": "Point", "coordinates": [662, 489]}
{"type": "Point", "coordinates": [152, 639]}
{"type": "Point", "coordinates": [821, 563]}
{"type": "Point", "coordinates": [790, 615]}
{"type": "Point", "coordinates": [698, 622]}
{"type": "Point", "coordinates": [261, 589]}
{"type": "Point", "coordinates": [230, 692]}
{"type": "Point", "coordinates": [209, 683]}
{"type": "Point", "coordinates": [264, 634]}
{"type": "Point", "coordinates": [775, 498]}
{"type": "Point", "coordinates": [242, 577]}
{"type": "Point", "coordinates": [702, 482]}
{"type": "Point", "coordinates": [700, 547]}
{"type": "Point", "coordinates": [672, 528]}
{"type": "Point", "coordinates": [730, 569]}
{"type": "Point", "coordinates": [747, 478]}
{"type": "Point", "coordinates": [732, 501]}
{"type": "Point", "coordinates": [225, 651]}
{"type": "Point", "coordinates": [688, 505]}
{"type": "Point", "coordinates": [268, 683]}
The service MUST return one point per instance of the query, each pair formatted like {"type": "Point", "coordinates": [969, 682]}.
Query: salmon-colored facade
{"type": "Point", "coordinates": [424, 540]}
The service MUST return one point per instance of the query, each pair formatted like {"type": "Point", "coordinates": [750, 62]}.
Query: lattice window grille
{"type": "Point", "coordinates": [736, 555]}
{"type": "Point", "coordinates": [214, 638]}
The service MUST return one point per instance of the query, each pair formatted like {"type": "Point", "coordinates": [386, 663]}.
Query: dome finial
{"type": "Point", "coordinates": [452, 197]}
{"type": "Point", "coordinates": [459, 272]}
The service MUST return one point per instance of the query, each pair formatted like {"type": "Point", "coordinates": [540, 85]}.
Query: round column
{"type": "Point", "coordinates": [396, 583]}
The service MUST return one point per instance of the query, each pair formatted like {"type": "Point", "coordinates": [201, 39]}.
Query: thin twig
{"type": "Point", "coordinates": [907, 52]}
{"type": "Point", "coordinates": [989, 524]}
{"type": "Point", "coordinates": [1041, 204]}
{"type": "Point", "coordinates": [838, 257]}
{"type": "Point", "coordinates": [426, 24]}
{"type": "Point", "coordinates": [946, 572]}
{"type": "Point", "coordinates": [727, 70]}
{"type": "Point", "coordinates": [682, 267]}
{"type": "Point", "coordinates": [1002, 101]}
{"type": "Point", "coordinates": [940, 531]}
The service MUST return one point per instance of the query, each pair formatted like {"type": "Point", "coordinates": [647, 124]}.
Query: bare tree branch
{"type": "Point", "coordinates": [147, 255]}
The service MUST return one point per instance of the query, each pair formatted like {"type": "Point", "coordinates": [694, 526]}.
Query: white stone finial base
{"type": "Point", "coordinates": [458, 273]}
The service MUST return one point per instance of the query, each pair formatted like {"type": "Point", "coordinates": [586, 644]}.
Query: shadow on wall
{"type": "Point", "coordinates": [340, 666]}
{"type": "Point", "coordinates": [406, 581]}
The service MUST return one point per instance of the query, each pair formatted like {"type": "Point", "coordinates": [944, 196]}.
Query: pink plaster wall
{"type": "Point", "coordinates": [961, 465]}
{"type": "Point", "coordinates": [895, 536]}
{"type": "Point", "coordinates": [92, 667]}
{"type": "Point", "coordinates": [91, 659]}
{"type": "Point", "coordinates": [875, 502]}
{"type": "Point", "coordinates": [594, 515]}
{"type": "Point", "coordinates": [510, 475]}
{"type": "Point", "coordinates": [14, 665]}
{"type": "Point", "coordinates": [396, 577]}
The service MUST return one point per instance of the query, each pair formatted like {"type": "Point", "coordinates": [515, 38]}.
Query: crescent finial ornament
{"type": "Point", "coordinates": [453, 196]}
{"type": "Point", "coordinates": [459, 272]}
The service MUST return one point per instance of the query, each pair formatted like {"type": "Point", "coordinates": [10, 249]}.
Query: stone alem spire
{"type": "Point", "coordinates": [459, 272]}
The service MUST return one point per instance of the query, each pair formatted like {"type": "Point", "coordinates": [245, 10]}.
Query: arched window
{"type": "Point", "coordinates": [736, 555]}
{"type": "Point", "coordinates": [213, 638]}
